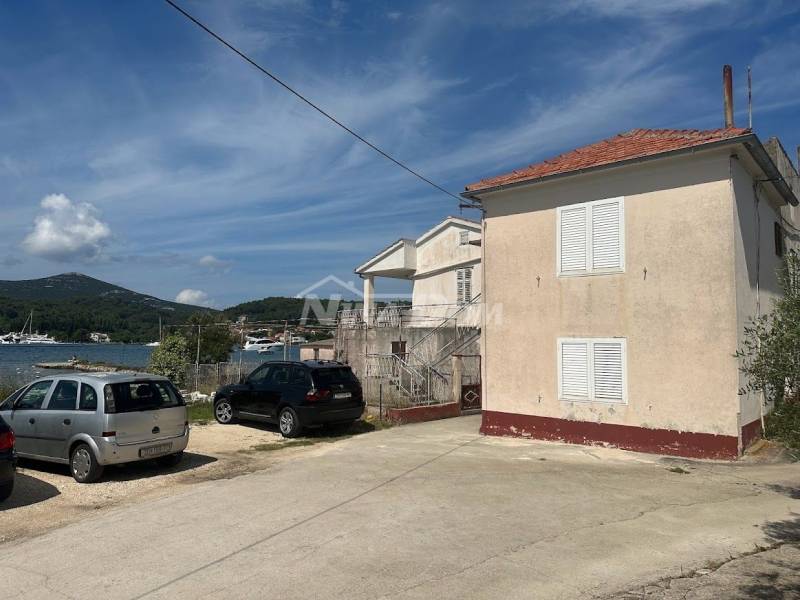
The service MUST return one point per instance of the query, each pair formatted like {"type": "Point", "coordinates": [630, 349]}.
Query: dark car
{"type": "Point", "coordinates": [8, 460]}
{"type": "Point", "coordinates": [294, 395]}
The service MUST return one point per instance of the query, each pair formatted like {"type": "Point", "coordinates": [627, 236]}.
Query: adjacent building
{"type": "Point", "coordinates": [620, 277]}
{"type": "Point", "coordinates": [409, 346]}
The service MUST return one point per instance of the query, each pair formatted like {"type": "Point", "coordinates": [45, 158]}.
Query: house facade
{"type": "Point", "coordinates": [413, 344]}
{"type": "Point", "coordinates": [626, 271]}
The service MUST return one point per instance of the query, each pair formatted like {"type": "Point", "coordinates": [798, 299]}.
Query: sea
{"type": "Point", "coordinates": [17, 361]}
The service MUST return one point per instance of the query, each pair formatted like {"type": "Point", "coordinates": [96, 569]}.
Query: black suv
{"type": "Point", "coordinates": [294, 395]}
{"type": "Point", "coordinates": [8, 460]}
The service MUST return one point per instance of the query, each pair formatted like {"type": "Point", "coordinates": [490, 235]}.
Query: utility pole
{"type": "Point", "coordinates": [286, 340]}
{"type": "Point", "coordinates": [197, 363]}
{"type": "Point", "coordinates": [241, 351]}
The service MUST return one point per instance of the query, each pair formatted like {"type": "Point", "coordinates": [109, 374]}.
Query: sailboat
{"type": "Point", "coordinates": [30, 337]}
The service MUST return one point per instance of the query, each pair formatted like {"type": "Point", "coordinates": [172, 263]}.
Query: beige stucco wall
{"type": "Point", "coordinates": [756, 282]}
{"type": "Point", "coordinates": [675, 303]}
{"type": "Point", "coordinates": [434, 292]}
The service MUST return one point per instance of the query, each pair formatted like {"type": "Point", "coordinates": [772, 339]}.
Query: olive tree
{"type": "Point", "coordinates": [770, 355]}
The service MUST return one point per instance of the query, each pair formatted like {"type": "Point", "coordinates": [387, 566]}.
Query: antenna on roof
{"type": "Point", "coordinates": [727, 94]}
{"type": "Point", "coordinates": [749, 99]}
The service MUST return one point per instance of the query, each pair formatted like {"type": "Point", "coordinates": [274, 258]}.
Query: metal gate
{"type": "Point", "coordinates": [470, 381]}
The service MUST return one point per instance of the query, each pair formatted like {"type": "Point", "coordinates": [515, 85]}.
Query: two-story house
{"type": "Point", "coordinates": [626, 271]}
{"type": "Point", "coordinates": [412, 344]}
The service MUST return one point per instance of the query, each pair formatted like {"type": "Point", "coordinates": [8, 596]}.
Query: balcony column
{"type": "Point", "coordinates": [369, 299]}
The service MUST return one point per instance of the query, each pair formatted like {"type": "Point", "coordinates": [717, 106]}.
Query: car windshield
{"type": "Point", "coordinates": [136, 396]}
{"type": "Point", "coordinates": [323, 377]}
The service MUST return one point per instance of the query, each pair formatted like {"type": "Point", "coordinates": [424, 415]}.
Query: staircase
{"type": "Point", "coordinates": [421, 376]}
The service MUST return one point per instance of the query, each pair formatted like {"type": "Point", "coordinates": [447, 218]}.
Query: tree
{"type": "Point", "coordinates": [770, 356]}
{"type": "Point", "coordinates": [216, 339]}
{"type": "Point", "coordinates": [170, 359]}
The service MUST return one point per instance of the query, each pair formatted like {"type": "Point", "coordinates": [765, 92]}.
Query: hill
{"type": "Point", "coordinates": [72, 305]}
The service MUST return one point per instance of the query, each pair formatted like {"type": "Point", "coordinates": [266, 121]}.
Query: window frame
{"type": "Point", "coordinates": [589, 270]}
{"type": "Point", "coordinates": [463, 237]}
{"type": "Point", "coordinates": [590, 341]}
{"type": "Point", "coordinates": [53, 393]}
{"type": "Point", "coordinates": [85, 385]}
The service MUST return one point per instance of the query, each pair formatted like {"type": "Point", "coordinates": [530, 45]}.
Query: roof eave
{"type": "Point", "coordinates": [750, 140]}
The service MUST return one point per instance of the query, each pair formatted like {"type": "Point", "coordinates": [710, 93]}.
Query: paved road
{"type": "Point", "coordinates": [424, 511]}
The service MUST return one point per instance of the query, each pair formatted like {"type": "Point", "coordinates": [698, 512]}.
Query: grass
{"type": "Point", "coordinates": [201, 413]}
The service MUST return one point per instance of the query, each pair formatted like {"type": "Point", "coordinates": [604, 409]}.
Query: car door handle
{"type": "Point", "coordinates": [31, 420]}
{"type": "Point", "coordinates": [67, 422]}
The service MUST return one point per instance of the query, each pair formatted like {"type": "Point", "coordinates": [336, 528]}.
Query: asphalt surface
{"type": "Point", "coordinates": [429, 511]}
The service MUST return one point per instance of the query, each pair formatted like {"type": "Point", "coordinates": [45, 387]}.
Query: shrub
{"type": "Point", "coordinates": [770, 356]}
{"type": "Point", "coordinates": [170, 359]}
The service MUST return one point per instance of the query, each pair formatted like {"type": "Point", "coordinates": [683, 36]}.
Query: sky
{"type": "Point", "coordinates": [136, 149]}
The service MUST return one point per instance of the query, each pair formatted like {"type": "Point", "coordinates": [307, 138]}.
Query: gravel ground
{"type": "Point", "coordinates": [46, 496]}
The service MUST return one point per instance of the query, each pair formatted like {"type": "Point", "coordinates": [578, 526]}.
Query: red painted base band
{"type": "Point", "coordinates": [418, 414]}
{"type": "Point", "coordinates": [627, 437]}
{"type": "Point", "coordinates": [750, 433]}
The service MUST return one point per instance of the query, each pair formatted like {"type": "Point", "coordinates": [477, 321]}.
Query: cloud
{"type": "Point", "coordinates": [10, 261]}
{"type": "Point", "coordinates": [67, 231]}
{"type": "Point", "coordinates": [194, 297]}
{"type": "Point", "coordinates": [212, 263]}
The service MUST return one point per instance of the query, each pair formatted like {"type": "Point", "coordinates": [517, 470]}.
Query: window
{"type": "Point", "coordinates": [300, 376]}
{"type": "Point", "coordinates": [65, 396]}
{"type": "Point", "coordinates": [88, 398]}
{"type": "Point", "coordinates": [780, 244]}
{"type": "Point", "coordinates": [279, 374]}
{"type": "Point", "coordinates": [137, 396]}
{"type": "Point", "coordinates": [34, 397]}
{"type": "Point", "coordinates": [463, 238]}
{"type": "Point", "coordinates": [591, 238]}
{"type": "Point", "coordinates": [464, 285]}
{"type": "Point", "coordinates": [592, 369]}
{"type": "Point", "coordinates": [259, 375]}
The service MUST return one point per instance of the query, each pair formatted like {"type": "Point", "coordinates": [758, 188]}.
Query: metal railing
{"type": "Point", "coordinates": [402, 384]}
{"type": "Point", "coordinates": [428, 315]}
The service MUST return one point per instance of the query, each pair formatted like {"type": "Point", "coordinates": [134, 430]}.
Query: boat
{"type": "Point", "coordinates": [153, 344]}
{"type": "Point", "coordinates": [30, 337]}
{"type": "Point", "coordinates": [258, 344]}
{"type": "Point", "coordinates": [36, 338]}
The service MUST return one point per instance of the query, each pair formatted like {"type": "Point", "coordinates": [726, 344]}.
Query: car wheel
{"type": "Point", "coordinates": [223, 411]}
{"type": "Point", "coordinates": [84, 465]}
{"type": "Point", "coordinates": [5, 490]}
{"type": "Point", "coordinates": [171, 460]}
{"type": "Point", "coordinates": [288, 423]}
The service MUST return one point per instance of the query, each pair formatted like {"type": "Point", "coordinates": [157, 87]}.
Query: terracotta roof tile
{"type": "Point", "coordinates": [636, 143]}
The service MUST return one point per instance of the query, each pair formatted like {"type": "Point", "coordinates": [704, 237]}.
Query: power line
{"type": "Point", "coordinates": [290, 89]}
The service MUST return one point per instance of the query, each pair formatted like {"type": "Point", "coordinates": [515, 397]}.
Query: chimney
{"type": "Point", "coordinates": [727, 94]}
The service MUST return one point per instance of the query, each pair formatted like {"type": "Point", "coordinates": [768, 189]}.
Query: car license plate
{"type": "Point", "coordinates": [155, 450]}
{"type": "Point", "coordinates": [342, 395]}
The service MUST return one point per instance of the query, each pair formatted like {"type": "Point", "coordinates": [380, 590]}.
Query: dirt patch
{"type": "Point", "coordinates": [46, 496]}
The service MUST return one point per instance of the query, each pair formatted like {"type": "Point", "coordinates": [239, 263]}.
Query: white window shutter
{"type": "Point", "coordinates": [460, 286]}
{"type": "Point", "coordinates": [463, 238]}
{"type": "Point", "coordinates": [606, 239]}
{"type": "Point", "coordinates": [467, 286]}
{"type": "Point", "coordinates": [573, 239]}
{"type": "Point", "coordinates": [608, 379]}
{"type": "Point", "coordinates": [575, 369]}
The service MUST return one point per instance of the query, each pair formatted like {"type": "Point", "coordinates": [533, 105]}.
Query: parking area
{"type": "Point", "coordinates": [434, 510]}
{"type": "Point", "coordinates": [46, 496]}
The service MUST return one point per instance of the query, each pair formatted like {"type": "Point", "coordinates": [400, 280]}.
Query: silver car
{"type": "Point", "coordinates": [89, 421]}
